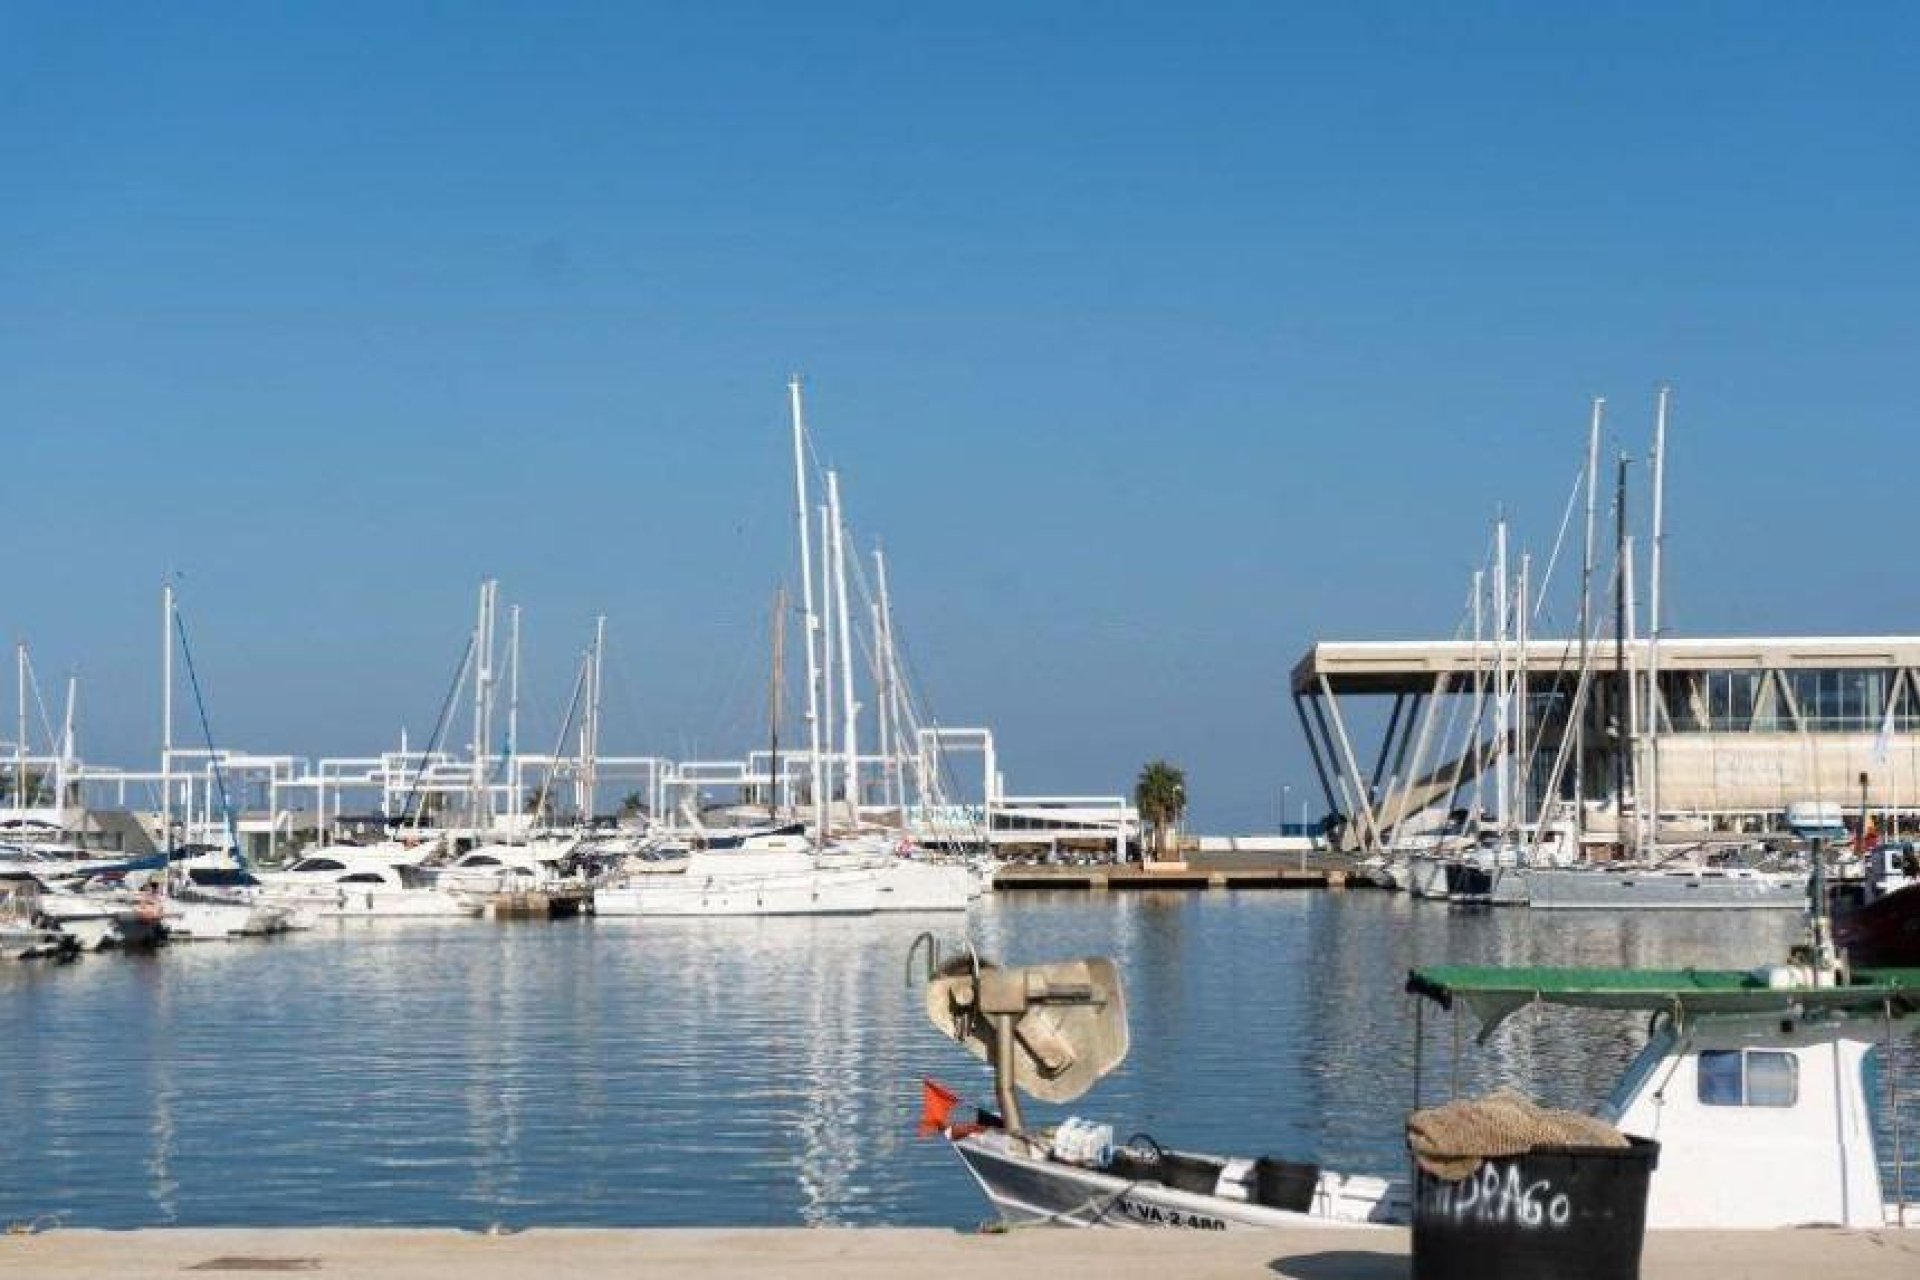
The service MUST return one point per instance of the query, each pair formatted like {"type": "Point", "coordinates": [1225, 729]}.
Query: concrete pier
{"type": "Point", "coordinates": [889, 1254]}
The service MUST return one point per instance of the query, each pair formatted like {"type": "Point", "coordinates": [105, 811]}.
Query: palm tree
{"type": "Point", "coordinates": [1161, 796]}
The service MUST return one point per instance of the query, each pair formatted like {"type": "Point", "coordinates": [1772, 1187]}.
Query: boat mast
{"type": "Point", "coordinates": [67, 752]}
{"type": "Point", "coordinates": [482, 697]}
{"type": "Point", "coordinates": [590, 800]}
{"type": "Point", "coordinates": [513, 701]}
{"type": "Point", "coordinates": [166, 726]}
{"type": "Point", "coordinates": [1618, 702]}
{"type": "Point", "coordinates": [887, 684]}
{"type": "Point", "coordinates": [1479, 694]}
{"type": "Point", "coordinates": [1523, 761]}
{"type": "Point", "coordinates": [1631, 743]}
{"type": "Point", "coordinates": [775, 697]}
{"type": "Point", "coordinates": [1654, 700]}
{"type": "Point", "coordinates": [829, 664]}
{"type": "Point", "coordinates": [804, 517]}
{"type": "Point", "coordinates": [849, 708]}
{"type": "Point", "coordinates": [1502, 694]}
{"type": "Point", "coordinates": [20, 729]}
{"type": "Point", "coordinates": [1586, 620]}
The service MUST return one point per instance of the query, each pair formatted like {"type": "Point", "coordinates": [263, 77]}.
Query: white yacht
{"type": "Point", "coordinates": [489, 870]}
{"type": "Point", "coordinates": [771, 874]}
{"type": "Point", "coordinates": [209, 903]}
{"type": "Point", "coordinates": [345, 882]}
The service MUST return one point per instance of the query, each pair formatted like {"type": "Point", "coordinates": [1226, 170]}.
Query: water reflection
{"type": "Point", "coordinates": [627, 1072]}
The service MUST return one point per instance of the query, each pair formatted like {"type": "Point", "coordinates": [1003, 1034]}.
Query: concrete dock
{"type": "Point", "coordinates": [888, 1254]}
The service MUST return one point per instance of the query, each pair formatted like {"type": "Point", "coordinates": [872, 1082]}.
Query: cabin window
{"type": "Point", "coordinates": [363, 877]}
{"type": "Point", "coordinates": [321, 864]}
{"type": "Point", "coordinates": [482, 860]}
{"type": "Point", "coordinates": [1748, 1078]}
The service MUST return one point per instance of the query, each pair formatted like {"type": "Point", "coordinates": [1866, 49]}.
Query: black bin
{"type": "Point", "coordinates": [1556, 1213]}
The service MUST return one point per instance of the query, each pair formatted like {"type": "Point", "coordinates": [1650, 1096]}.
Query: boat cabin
{"type": "Point", "coordinates": [1755, 1084]}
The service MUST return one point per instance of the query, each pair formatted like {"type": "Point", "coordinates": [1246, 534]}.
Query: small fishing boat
{"type": "Point", "coordinates": [1051, 1032]}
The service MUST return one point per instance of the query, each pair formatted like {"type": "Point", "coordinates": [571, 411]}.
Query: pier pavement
{"type": "Point", "coordinates": [878, 1254]}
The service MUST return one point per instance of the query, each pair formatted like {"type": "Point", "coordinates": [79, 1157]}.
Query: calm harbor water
{"type": "Point", "coordinates": [750, 1072]}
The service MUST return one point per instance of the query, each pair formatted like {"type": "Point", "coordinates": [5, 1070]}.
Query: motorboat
{"type": "Point", "coordinates": [345, 882]}
{"type": "Point", "coordinates": [212, 903]}
{"type": "Point", "coordinates": [94, 920]}
{"type": "Point", "coordinates": [490, 870]}
{"type": "Point", "coordinates": [1876, 919]}
{"type": "Point", "coordinates": [22, 935]}
{"type": "Point", "coordinates": [1051, 1032]}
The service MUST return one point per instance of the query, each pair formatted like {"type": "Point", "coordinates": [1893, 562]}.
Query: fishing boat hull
{"type": "Point", "coordinates": [1029, 1188]}
{"type": "Point", "coordinates": [1882, 933]}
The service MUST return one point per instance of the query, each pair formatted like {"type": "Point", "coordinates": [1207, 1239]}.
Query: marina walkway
{"type": "Point", "coordinates": [878, 1254]}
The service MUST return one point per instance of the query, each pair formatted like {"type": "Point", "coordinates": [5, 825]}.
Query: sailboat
{"type": "Point", "coordinates": [205, 896]}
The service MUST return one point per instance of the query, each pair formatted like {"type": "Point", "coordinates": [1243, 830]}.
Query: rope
{"type": "Point", "coordinates": [206, 730]}
{"type": "Point", "coordinates": [439, 727]}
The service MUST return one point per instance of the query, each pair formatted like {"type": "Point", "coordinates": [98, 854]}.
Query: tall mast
{"type": "Point", "coordinates": [166, 719]}
{"type": "Point", "coordinates": [776, 695]}
{"type": "Point", "coordinates": [829, 662]}
{"type": "Point", "coordinates": [513, 700]}
{"type": "Point", "coordinates": [1618, 703]}
{"type": "Point", "coordinates": [67, 743]}
{"type": "Point", "coordinates": [482, 700]}
{"type": "Point", "coordinates": [1632, 742]}
{"type": "Point", "coordinates": [886, 687]}
{"type": "Point", "coordinates": [1586, 621]}
{"type": "Point", "coordinates": [1502, 694]}
{"type": "Point", "coordinates": [1479, 690]}
{"type": "Point", "coordinates": [804, 517]}
{"type": "Point", "coordinates": [1523, 762]}
{"type": "Point", "coordinates": [20, 729]}
{"type": "Point", "coordinates": [1654, 700]}
{"type": "Point", "coordinates": [593, 718]}
{"type": "Point", "coordinates": [849, 708]}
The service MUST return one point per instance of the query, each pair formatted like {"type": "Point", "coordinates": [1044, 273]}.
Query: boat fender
{"type": "Point", "coordinates": [1236, 1180]}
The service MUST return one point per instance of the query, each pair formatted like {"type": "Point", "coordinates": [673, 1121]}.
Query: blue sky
{"type": "Point", "coordinates": [1154, 341]}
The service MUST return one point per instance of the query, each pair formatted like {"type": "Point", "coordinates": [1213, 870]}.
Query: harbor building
{"type": "Point", "coordinates": [1742, 734]}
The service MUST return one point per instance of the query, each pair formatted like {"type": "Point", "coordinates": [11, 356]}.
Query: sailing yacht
{"type": "Point", "coordinates": [772, 874]}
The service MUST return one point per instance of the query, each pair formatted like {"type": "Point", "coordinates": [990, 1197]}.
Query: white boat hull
{"type": "Point", "coordinates": [815, 893]}
{"type": "Point", "coordinates": [1027, 1188]}
{"type": "Point", "coordinates": [1570, 889]}
{"type": "Point", "coordinates": [377, 903]}
{"type": "Point", "coordinates": [221, 921]}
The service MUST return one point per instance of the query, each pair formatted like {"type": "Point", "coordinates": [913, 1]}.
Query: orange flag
{"type": "Point", "coordinates": [936, 1104]}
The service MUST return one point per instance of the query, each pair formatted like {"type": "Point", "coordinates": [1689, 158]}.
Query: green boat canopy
{"type": "Point", "coordinates": [1493, 993]}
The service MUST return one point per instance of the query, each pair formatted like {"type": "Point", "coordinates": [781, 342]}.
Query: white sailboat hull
{"type": "Point", "coordinates": [1572, 889]}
